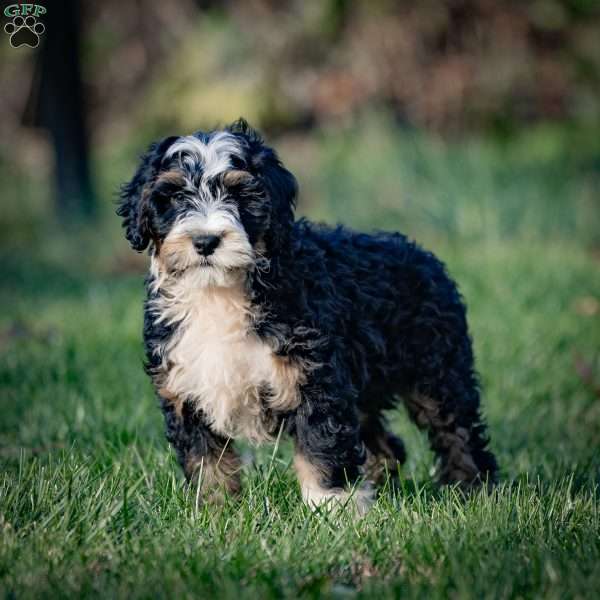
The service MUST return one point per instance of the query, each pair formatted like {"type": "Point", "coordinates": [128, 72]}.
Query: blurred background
{"type": "Point", "coordinates": [470, 125]}
{"type": "Point", "coordinates": [468, 118]}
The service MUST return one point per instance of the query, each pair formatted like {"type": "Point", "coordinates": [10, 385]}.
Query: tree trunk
{"type": "Point", "coordinates": [58, 104]}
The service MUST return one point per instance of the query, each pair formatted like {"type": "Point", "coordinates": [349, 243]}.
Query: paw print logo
{"type": "Point", "coordinates": [24, 31]}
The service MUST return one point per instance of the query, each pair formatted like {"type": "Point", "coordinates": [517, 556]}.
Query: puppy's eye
{"type": "Point", "coordinates": [163, 202]}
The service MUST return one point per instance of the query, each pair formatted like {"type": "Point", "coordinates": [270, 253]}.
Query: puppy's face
{"type": "Point", "coordinates": [212, 205]}
{"type": "Point", "coordinates": [205, 211]}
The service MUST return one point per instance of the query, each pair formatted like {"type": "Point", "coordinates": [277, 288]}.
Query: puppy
{"type": "Point", "coordinates": [257, 324]}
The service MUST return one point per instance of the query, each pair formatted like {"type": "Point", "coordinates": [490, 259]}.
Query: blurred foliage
{"type": "Point", "coordinates": [459, 117]}
{"type": "Point", "coordinates": [449, 66]}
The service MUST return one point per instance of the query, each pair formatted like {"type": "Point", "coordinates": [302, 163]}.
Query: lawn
{"type": "Point", "coordinates": [91, 499]}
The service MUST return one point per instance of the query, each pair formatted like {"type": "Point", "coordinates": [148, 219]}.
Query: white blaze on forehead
{"type": "Point", "coordinates": [213, 156]}
{"type": "Point", "coordinates": [211, 220]}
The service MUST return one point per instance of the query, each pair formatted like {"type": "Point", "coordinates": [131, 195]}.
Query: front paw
{"type": "Point", "coordinates": [357, 500]}
{"type": "Point", "coordinates": [211, 482]}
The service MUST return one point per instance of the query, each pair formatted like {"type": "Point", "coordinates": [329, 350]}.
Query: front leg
{"type": "Point", "coordinates": [329, 451]}
{"type": "Point", "coordinates": [207, 459]}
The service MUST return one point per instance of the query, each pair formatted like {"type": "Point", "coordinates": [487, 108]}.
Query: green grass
{"type": "Point", "coordinates": [92, 502]}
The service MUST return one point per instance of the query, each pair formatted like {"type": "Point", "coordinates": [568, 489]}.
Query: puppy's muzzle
{"type": "Point", "coordinates": [206, 244]}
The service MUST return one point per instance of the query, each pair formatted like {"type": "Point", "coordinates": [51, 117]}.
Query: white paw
{"type": "Point", "coordinates": [358, 500]}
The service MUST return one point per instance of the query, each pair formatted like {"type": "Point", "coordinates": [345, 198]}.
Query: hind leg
{"type": "Point", "coordinates": [445, 402]}
{"type": "Point", "coordinates": [385, 451]}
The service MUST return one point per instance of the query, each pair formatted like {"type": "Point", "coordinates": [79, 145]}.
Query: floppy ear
{"type": "Point", "coordinates": [283, 190]}
{"type": "Point", "coordinates": [133, 198]}
{"type": "Point", "coordinates": [279, 183]}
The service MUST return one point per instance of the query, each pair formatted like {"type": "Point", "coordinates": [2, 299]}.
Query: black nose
{"type": "Point", "coordinates": [206, 244]}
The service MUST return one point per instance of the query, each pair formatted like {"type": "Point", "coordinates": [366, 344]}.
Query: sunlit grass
{"type": "Point", "coordinates": [92, 502]}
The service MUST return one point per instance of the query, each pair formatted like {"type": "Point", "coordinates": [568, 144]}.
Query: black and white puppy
{"type": "Point", "coordinates": [256, 323]}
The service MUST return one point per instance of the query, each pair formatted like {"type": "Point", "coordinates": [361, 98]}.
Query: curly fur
{"type": "Point", "coordinates": [288, 323]}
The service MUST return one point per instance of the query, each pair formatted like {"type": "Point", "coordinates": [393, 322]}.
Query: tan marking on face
{"type": "Point", "coordinates": [235, 177]}
{"type": "Point", "coordinates": [174, 177]}
{"type": "Point", "coordinates": [176, 253]}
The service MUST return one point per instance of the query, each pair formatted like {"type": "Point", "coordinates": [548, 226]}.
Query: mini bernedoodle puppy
{"type": "Point", "coordinates": [256, 323]}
